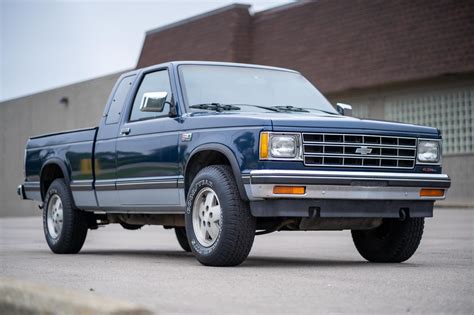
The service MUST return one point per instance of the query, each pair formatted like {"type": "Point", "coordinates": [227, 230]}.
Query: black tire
{"type": "Point", "coordinates": [394, 241]}
{"type": "Point", "coordinates": [182, 238]}
{"type": "Point", "coordinates": [74, 224]}
{"type": "Point", "coordinates": [131, 227]}
{"type": "Point", "coordinates": [237, 226]}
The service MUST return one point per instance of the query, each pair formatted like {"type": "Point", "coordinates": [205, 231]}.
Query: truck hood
{"type": "Point", "coordinates": [313, 122]}
{"type": "Point", "coordinates": [329, 122]}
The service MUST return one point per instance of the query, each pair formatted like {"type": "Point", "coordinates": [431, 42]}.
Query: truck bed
{"type": "Point", "coordinates": [73, 151]}
{"type": "Point", "coordinates": [62, 137]}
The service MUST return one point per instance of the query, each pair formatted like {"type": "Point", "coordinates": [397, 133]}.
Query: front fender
{"type": "Point", "coordinates": [227, 152]}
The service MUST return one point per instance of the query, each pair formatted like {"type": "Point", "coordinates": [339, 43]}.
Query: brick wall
{"type": "Point", "coordinates": [221, 35]}
{"type": "Point", "coordinates": [352, 44]}
{"type": "Point", "coordinates": [339, 45]}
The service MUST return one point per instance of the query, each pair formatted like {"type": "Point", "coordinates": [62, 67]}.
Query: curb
{"type": "Point", "coordinates": [18, 297]}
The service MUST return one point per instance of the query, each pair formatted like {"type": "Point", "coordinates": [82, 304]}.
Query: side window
{"type": "Point", "coordinates": [152, 82]}
{"type": "Point", "coordinates": [118, 100]}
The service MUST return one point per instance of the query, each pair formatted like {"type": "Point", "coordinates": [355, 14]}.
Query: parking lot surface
{"type": "Point", "coordinates": [286, 272]}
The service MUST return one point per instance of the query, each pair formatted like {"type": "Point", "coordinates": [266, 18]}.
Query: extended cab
{"type": "Point", "coordinates": [222, 152]}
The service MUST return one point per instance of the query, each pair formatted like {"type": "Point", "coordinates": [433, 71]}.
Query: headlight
{"type": "Point", "coordinates": [283, 146]}
{"type": "Point", "coordinates": [429, 151]}
{"type": "Point", "coordinates": [280, 146]}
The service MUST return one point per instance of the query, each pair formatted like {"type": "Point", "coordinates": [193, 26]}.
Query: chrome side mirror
{"type": "Point", "coordinates": [153, 101]}
{"type": "Point", "coordinates": [344, 109]}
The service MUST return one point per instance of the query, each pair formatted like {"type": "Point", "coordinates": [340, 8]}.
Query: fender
{"type": "Point", "coordinates": [61, 165]}
{"type": "Point", "coordinates": [227, 152]}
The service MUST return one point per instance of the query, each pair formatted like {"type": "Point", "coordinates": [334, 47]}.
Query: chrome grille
{"type": "Point", "coordinates": [353, 150]}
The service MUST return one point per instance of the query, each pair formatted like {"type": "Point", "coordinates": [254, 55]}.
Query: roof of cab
{"type": "Point", "coordinates": [208, 63]}
{"type": "Point", "coordinates": [203, 63]}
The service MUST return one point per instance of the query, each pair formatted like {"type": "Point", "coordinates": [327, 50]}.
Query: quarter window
{"type": "Point", "coordinates": [118, 100]}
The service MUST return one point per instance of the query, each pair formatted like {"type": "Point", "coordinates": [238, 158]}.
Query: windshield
{"type": "Point", "coordinates": [251, 89]}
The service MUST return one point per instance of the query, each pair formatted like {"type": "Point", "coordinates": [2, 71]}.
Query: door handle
{"type": "Point", "coordinates": [124, 131]}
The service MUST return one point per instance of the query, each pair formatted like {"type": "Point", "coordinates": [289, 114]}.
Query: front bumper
{"type": "Point", "coordinates": [342, 193]}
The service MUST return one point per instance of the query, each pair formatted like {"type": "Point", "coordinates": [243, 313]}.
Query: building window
{"type": "Point", "coordinates": [360, 110]}
{"type": "Point", "coordinates": [449, 110]}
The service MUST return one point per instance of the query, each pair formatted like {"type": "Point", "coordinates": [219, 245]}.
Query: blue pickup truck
{"type": "Point", "coordinates": [221, 152]}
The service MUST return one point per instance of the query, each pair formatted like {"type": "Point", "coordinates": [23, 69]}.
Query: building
{"type": "Point", "coordinates": [396, 60]}
{"type": "Point", "coordinates": [42, 113]}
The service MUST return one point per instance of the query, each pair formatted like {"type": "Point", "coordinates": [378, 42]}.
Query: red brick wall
{"type": "Point", "coordinates": [222, 36]}
{"type": "Point", "coordinates": [350, 44]}
{"type": "Point", "coordinates": [337, 44]}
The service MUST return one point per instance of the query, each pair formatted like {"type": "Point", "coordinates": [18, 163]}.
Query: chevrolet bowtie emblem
{"type": "Point", "coordinates": [364, 150]}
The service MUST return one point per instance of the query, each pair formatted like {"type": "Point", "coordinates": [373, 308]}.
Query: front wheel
{"type": "Point", "coordinates": [394, 241]}
{"type": "Point", "coordinates": [219, 224]}
{"type": "Point", "coordinates": [65, 227]}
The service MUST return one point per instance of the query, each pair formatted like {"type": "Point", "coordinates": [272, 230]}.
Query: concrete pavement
{"type": "Point", "coordinates": [21, 298]}
{"type": "Point", "coordinates": [287, 272]}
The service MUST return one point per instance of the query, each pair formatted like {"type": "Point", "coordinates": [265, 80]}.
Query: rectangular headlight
{"type": "Point", "coordinates": [283, 146]}
{"type": "Point", "coordinates": [286, 146]}
{"type": "Point", "coordinates": [429, 151]}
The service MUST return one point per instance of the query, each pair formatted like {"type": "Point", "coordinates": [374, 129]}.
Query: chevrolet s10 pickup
{"type": "Point", "coordinates": [221, 152]}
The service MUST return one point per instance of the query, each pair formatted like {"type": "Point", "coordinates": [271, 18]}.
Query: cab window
{"type": "Point", "coordinates": [154, 82]}
{"type": "Point", "coordinates": [118, 100]}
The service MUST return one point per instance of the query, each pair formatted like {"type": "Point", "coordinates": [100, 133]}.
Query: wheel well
{"type": "Point", "coordinates": [49, 173]}
{"type": "Point", "coordinates": [201, 160]}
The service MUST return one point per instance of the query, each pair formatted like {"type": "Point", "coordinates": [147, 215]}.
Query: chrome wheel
{"type": "Point", "coordinates": [55, 216]}
{"type": "Point", "coordinates": [207, 217]}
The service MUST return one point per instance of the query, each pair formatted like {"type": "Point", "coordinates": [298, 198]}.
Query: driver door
{"type": "Point", "coordinates": [147, 150]}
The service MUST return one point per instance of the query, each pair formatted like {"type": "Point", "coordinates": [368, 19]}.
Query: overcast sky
{"type": "Point", "coordinates": [47, 44]}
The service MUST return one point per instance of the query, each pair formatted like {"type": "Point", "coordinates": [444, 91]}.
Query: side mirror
{"type": "Point", "coordinates": [153, 102]}
{"type": "Point", "coordinates": [344, 109]}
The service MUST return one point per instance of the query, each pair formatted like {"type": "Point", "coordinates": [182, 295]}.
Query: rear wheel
{"type": "Point", "coordinates": [182, 238]}
{"type": "Point", "coordinates": [393, 241]}
{"type": "Point", "coordinates": [219, 225]}
{"type": "Point", "coordinates": [65, 227]}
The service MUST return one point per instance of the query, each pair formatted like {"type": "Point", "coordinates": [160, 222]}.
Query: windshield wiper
{"type": "Point", "coordinates": [303, 109]}
{"type": "Point", "coordinates": [290, 108]}
{"type": "Point", "coordinates": [272, 108]}
{"type": "Point", "coordinates": [321, 110]}
{"type": "Point", "coordinates": [215, 106]}
{"type": "Point", "coordinates": [220, 107]}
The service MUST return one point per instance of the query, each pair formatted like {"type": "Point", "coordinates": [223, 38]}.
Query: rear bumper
{"type": "Point", "coordinates": [29, 191]}
{"type": "Point", "coordinates": [20, 190]}
{"type": "Point", "coordinates": [343, 194]}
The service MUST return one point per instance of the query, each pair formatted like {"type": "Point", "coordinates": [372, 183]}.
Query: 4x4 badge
{"type": "Point", "coordinates": [364, 150]}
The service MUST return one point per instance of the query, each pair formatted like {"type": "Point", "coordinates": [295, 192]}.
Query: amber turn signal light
{"type": "Point", "coordinates": [289, 190]}
{"type": "Point", "coordinates": [431, 192]}
{"type": "Point", "coordinates": [264, 145]}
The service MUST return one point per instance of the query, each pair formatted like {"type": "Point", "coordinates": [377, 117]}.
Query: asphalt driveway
{"type": "Point", "coordinates": [287, 272]}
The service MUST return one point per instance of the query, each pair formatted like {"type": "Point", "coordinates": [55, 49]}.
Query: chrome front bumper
{"type": "Point", "coordinates": [344, 185]}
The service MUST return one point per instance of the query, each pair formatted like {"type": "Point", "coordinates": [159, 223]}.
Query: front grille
{"type": "Point", "coordinates": [353, 150]}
